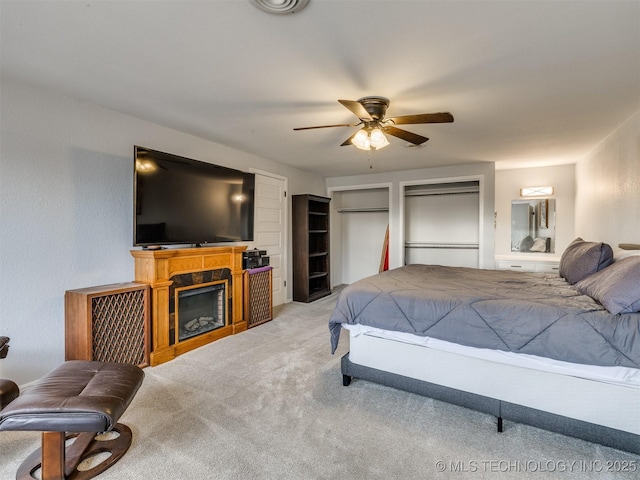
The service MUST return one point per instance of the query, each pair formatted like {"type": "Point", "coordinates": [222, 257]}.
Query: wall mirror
{"type": "Point", "coordinates": [533, 225]}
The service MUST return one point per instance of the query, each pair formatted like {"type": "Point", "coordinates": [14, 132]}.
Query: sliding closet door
{"type": "Point", "coordinates": [442, 224]}
{"type": "Point", "coordinates": [363, 237]}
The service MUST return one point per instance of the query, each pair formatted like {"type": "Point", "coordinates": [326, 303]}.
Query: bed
{"type": "Point", "coordinates": [557, 352]}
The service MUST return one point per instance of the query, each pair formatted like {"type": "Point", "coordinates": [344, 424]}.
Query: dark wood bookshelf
{"type": "Point", "coordinates": [311, 258]}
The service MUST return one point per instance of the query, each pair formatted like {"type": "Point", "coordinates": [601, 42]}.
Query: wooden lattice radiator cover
{"type": "Point", "coordinates": [108, 323]}
{"type": "Point", "coordinates": [118, 333]}
{"type": "Point", "coordinates": [258, 301]}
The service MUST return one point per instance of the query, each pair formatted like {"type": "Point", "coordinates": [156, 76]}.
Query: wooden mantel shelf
{"type": "Point", "coordinates": [157, 267]}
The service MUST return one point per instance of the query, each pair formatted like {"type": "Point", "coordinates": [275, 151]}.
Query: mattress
{"type": "Point", "coordinates": [525, 313]}
{"type": "Point", "coordinates": [624, 376]}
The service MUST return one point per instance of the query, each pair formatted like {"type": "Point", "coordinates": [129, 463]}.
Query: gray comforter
{"type": "Point", "coordinates": [533, 313]}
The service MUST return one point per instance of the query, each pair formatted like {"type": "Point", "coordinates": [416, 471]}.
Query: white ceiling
{"type": "Point", "coordinates": [528, 82]}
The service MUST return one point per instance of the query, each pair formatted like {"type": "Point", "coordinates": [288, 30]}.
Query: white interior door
{"type": "Point", "coordinates": [270, 228]}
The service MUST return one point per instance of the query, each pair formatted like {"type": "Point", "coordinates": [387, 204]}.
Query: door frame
{"type": "Point", "coordinates": [334, 218]}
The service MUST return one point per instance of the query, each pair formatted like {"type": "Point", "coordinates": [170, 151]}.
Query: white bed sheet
{"type": "Point", "coordinates": [624, 376]}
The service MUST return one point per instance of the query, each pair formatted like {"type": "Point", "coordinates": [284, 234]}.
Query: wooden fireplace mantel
{"type": "Point", "coordinates": [157, 267]}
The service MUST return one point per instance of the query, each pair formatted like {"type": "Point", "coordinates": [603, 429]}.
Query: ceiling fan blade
{"type": "Point", "coordinates": [442, 117]}
{"type": "Point", "coordinates": [404, 135]}
{"type": "Point", "coordinates": [329, 126]}
{"type": "Point", "coordinates": [348, 140]}
{"type": "Point", "coordinates": [357, 109]}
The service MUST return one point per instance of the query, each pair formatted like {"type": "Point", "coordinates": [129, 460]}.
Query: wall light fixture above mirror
{"type": "Point", "coordinates": [536, 191]}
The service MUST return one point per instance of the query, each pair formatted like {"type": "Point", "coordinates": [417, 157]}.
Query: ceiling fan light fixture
{"type": "Point", "coordinates": [378, 139]}
{"type": "Point", "coordinates": [361, 140]}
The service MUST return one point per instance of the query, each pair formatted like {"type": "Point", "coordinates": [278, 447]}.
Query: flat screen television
{"type": "Point", "coordinates": [179, 200]}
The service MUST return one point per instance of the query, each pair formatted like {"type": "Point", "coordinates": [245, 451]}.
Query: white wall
{"type": "Point", "coordinates": [451, 173]}
{"type": "Point", "coordinates": [608, 188]}
{"type": "Point", "coordinates": [508, 184]}
{"type": "Point", "coordinates": [66, 209]}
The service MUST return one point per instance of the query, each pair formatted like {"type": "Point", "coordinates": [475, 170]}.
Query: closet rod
{"type": "Point", "coordinates": [461, 246]}
{"type": "Point", "coordinates": [363, 210]}
{"type": "Point", "coordinates": [441, 191]}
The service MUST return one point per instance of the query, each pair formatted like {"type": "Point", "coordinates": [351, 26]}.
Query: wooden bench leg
{"type": "Point", "coordinates": [53, 456]}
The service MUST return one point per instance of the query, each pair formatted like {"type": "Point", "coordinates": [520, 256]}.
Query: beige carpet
{"type": "Point", "coordinates": [269, 404]}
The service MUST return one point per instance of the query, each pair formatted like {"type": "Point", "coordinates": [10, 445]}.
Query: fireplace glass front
{"type": "Point", "coordinates": [201, 310]}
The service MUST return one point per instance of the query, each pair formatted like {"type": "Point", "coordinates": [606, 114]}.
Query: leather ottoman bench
{"type": "Point", "coordinates": [8, 389]}
{"type": "Point", "coordinates": [77, 399]}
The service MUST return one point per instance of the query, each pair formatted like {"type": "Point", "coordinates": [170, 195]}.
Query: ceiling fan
{"type": "Point", "coordinates": [371, 112]}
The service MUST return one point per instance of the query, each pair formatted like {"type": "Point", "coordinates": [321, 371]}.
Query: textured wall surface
{"type": "Point", "coordinates": [608, 188]}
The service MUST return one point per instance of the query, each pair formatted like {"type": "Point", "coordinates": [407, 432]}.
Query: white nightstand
{"type": "Point", "coordinates": [528, 263]}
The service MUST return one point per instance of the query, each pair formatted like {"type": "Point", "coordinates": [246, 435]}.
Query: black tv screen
{"type": "Point", "coordinates": [179, 200]}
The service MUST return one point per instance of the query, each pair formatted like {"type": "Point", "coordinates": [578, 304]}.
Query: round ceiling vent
{"type": "Point", "coordinates": [280, 6]}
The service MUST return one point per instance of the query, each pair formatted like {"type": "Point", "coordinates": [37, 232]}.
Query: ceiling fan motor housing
{"type": "Point", "coordinates": [375, 106]}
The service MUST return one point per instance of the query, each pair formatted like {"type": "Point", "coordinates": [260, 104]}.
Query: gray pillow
{"type": "Point", "coordinates": [617, 287]}
{"type": "Point", "coordinates": [582, 259]}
